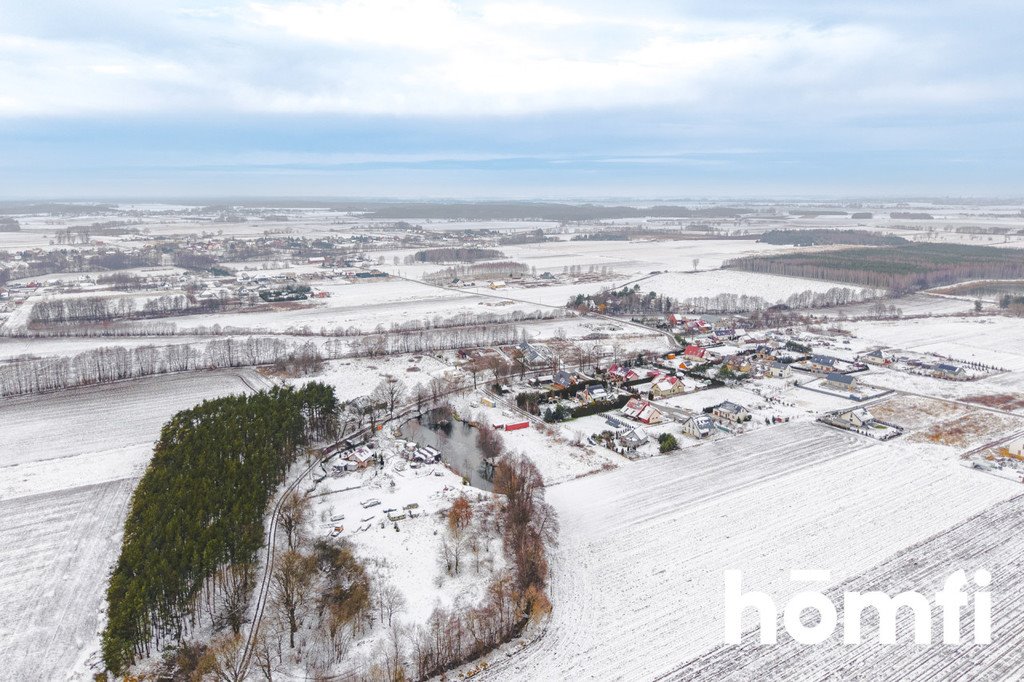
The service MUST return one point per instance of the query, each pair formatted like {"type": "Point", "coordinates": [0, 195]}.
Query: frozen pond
{"type": "Point", "coordinates": [457, 444]}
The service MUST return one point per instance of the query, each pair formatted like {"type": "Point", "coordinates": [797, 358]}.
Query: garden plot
{"type": "Point", "coordinates": [58, 548]}
{"type": "Point", "coordinates": [97, 433]}
{"type": "Point", "coordinates": [638, 579]}
{"type": "Point", "coordinates": [991, 540]}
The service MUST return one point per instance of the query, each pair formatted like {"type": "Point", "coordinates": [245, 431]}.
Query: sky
{"type": "Point", "coordinates": [548, 99]}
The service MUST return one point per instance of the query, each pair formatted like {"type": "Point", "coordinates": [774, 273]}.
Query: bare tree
{"type": "Point", "coordinates": [292, 578]}
{"type": "Point", "coordinates": [295, 512]}
{"type": "Point", "coordinates": [223, 659]}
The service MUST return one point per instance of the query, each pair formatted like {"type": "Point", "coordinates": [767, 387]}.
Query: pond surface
{"type": "Point", "coordinates": [457, 444]}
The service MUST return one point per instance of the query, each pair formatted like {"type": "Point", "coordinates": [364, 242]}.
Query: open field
{"type": "Point", "coordinates": [97, 433]}
{"type": "Point", "coordinates": [57, 550]}
{"type": "Point", "coordinates": [772, 288]}
{"type": "Point", "coordinates": [638, 578]}
{"type": "Point", "coordinates": [989, 340]}
{"type": "Point", "coordinates": [990, 540]}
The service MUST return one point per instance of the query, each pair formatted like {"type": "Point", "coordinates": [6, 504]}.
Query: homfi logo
{"type": "Point", "coordinates": [950, 601]}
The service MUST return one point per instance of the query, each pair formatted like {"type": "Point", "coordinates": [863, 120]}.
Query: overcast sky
{"type": "Point", "coordinates": [429, 98]}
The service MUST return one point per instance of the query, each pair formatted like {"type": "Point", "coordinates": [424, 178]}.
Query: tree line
{"type": "Point", "coordinates": [490, 270]}
{"type": "Point", "coordinates": [196, 518]}
{"type": "Point", "coordinates": [116, 363]}
{"type": "Point", "coordinates": [465, 254]}
{"type": "Point", "coordinates": [899, 269]}
{"type": "Point", "coordinates": [631, 301]}
{"type": "Point", "coordinates": [80, 309]}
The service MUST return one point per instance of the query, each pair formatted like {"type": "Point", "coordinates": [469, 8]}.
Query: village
{"type": "Point", "coordinates": [592, 351]}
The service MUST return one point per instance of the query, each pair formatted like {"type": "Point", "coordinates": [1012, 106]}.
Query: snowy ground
{"type": "Point", "coordinates": [772, 288]}
{"type": "Point", "coordinates": [990, 541]}
{"type": "Point", "coordinates": [638, 579]}
{"type": "Point", "coordinates": [97, 433]}
{"type": "Point", "coordinates": [68, 464]}
{"type": "Point", "coordinates": [997, 341]}
{"type": "Point", "coordinates": [58, 548]}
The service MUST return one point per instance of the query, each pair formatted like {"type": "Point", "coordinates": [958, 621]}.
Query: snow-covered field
{"type": "Point", "coordinates": [991, 540]}
{"type": "Point", "coordinates": [58, 547]}
{"type": "Point", "coordinates": [97, 433]}
{"type": "Point", "coordinates": [638, 579]}
{"type": "Point", "coordinates": [772, 288]}
{"type": "Point", "coordinates": [68, 464]}
{"type": "Point", "coordinates": [997, 341]}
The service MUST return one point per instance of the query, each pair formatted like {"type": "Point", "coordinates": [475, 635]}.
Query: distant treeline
{"type": "Point", "coordinates": [453, 255]}
{"type": "Point", "coordinates": [9, 225]}
{"type": "Point", "coordinates": [630, 301]}
{"type": "Point", "coordinates": [533, 211]}
{"type": "Point", "coordinates": [102, 309]}
{"type": "Point", "coordinates": [899, 269]}
{"type": "Point", "coordinates": [196, 518]}
{"type": "Point", "coordinates": [52, 208]}
{"type": "Point", "coordinates": [814, 213]}
{"type": "Point", "coordinates": [491, 270]}
{"type": "Point", "coordinates": [906, 215]}
{"type": "Point", "coordinates": [601, 237]}
{"type": "Point", "coordinates": [820, 237]}
{"type": "Point", "coordinates": [28, 375]}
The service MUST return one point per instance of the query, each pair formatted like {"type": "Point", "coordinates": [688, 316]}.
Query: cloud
{"type": "Point", "coordinates": [442, 58]}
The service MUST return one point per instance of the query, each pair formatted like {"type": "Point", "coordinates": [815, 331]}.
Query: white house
{"type": "Point", "coordinates": [859, 417]}
{"type": "Point", "coordinates": [779, 370]}
{"type": "Point", "coordinates": [699, 426]}
{"type": "Point", "coordinates": [731, 412]}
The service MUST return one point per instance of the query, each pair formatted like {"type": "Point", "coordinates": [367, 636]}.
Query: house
{"type": "Point", "coordinates": [667, 386]}
{"type": "Point", "coordinates": [946, 371]}
{"type": "Point", "coordinates": [642, 411]}
{"type": "Point", "coordinates": [694, 352]}
{"type": "Point", "coordinates": [699, 426]}
{"type": "Point", "coordinates": [531, 354]}
{"type": "Point", "coordinates": [621, 373]}
{"type": "Point", "coordinates": [840, 381]}
{"type": "Point", "coordinates": [778, 370]}
{"type": "Point", "coordinates": [739, 364]}
{"type": "Point", "coordinates": [633, 438]}
{"type": "Point", "coordinates": [360, 457]}
{"type": "Point", "coordinates": [822, 364]}
{"type": "Point", "coordinates": [593, 392]}
{"type": "Point", "coordinates": [859, 417]}
{"type": "Point", "coordinates": [875, 357]}
{"type": "Point", "coordinates": [562, 379]}
{"type": "Point", "coordinates": [497, 284]}
{"type": "Point", "coordinates": [731, 411]}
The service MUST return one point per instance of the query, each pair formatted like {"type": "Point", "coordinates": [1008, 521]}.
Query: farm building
{"type": "Point", "coordinates": [778, 370]}
{"type": "Point", "coordinates": [947, 371]}
{"type": "Point", "coordinates": [840, 381]}
{"type": "Point", "coordinates": [699, 426]}
{"type": "Point", "coordinates": [642, 411]}
{"type": "Point", "coordinates": [731, 411]}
